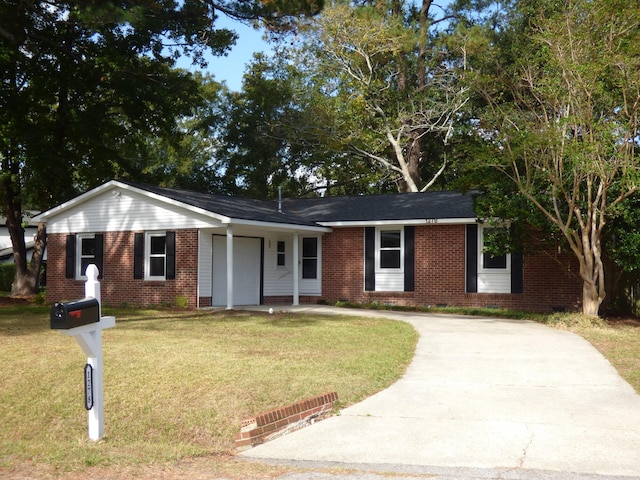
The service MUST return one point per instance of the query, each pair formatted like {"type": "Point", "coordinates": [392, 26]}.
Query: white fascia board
{"type": "Point", "coordinates": [464, 221]}
{"type": "Point", "coordinates": [377, 223]}
{"type": "Point", "coordinates": [372, 223]}
{"type": "Point", "coordinates": [282, 226]}
{"type": "Point", "coordinates": [499, 222]}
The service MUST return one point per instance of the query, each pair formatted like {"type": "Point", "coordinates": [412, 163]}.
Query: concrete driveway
{"type": "Point", "coordinates": [487, 397]}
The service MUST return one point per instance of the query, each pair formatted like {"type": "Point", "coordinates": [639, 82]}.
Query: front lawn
{"type": "Point", "coordinates": [178, 383]}
{"type": "Point", "coordinates": [619, 342]}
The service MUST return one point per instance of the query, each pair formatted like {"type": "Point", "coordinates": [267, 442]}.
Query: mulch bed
{"type": "Point", "coordinates": [619, 321]}
{"type": "Point", "coordinates": [16, 301]}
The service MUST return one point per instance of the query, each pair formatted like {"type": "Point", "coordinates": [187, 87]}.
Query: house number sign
{"type": "Point", "coordinates": [88, 387]}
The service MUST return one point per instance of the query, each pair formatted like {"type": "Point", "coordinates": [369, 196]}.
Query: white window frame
{"type": "Point", "coordinates": [379, 249]}
{"type": "Point", "coordinates": [80, 275]}
{"type": "Point", "coordinates": [148, 255]}
{"type": "Point", "coordinates": [481, 267]}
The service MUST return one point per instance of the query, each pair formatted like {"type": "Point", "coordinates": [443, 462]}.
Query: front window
{"type": "Point", "coordinates": [492, 261]}
{"type": "Point", "coordinates": [281, 254]}
{"type": "Point", "coordinates": [86, 254]}
{"type": "Point", "coordinates": [157, 256]}
{"type": "Point", "coordinates": [310, 257]}
{"type": "Point", "coordinates": [390, 243]}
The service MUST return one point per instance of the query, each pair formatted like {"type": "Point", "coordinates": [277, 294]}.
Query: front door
{"type": "Point", "coordinates": [246, 271]}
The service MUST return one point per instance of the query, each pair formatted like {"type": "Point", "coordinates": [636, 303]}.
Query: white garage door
{"type": "Point", "coordinates": [246, 271]}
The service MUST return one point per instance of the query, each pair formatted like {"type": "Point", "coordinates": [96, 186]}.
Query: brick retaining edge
{"type": "Point", "coordinates": [280, 421]}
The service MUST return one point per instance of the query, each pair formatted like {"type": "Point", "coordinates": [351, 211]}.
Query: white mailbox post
{"type": "Point", "coordinates": [65, 317]}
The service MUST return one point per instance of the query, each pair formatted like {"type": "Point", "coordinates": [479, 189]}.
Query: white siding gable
{"type": "Point", "coordinates": [125, 210]}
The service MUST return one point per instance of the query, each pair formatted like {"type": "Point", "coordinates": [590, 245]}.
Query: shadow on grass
{"type": "Point", "coordinates": [158, 320]}
{"type": "Point", "coordinates": [293, 320]}
{"type": "Point", "coordinates": [24, 320]}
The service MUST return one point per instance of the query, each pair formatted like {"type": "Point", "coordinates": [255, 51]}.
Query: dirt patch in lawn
{"type": "Point", "coordinates": [16, 301]}
{"type": "Point", "coordinates": [623, 321]}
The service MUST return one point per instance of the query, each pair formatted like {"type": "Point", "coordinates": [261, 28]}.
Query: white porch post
{"type": "Point", "coordinates": [229, 267]}
{"type": "Point", "coordinates": [296, 270]}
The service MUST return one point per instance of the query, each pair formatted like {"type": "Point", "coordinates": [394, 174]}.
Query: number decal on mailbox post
{"type": "Point", "coordinates": [88, 387]}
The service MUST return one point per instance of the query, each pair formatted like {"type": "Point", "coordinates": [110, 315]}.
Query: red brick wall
{"type": "Point", "coordinates": [439, 279]}
{"type": "Point", "coordinates": [440, 274]}
{"type": "Point", "coordinates": [288, 299]}
{"type": "Point", "coordinates": [343, 265]}
{"type": "Point", "coordinates": [118, 287]}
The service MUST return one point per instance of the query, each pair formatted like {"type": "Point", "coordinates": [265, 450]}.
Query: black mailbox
{"type": "Point", "coordinates": [74, 314]}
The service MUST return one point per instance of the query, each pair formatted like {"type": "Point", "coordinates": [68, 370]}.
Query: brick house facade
{"type": "Point", "coordinates": [548, 284]}
{"type": "Point", "coordinates": [158, 246]}
{"type": "Point", "coordinates": [118, 285]}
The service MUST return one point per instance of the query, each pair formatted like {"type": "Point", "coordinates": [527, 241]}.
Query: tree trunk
{"type": "Point", "coordinates": [414, 149]}
{"type": "Point", "coordinates": [591, 272]}
{"type": "Point", "coordinates": [414, 155]}
{"type": "Point", "coordinates": [590, 299]}
{"type": "Point", "coordinates": [27, 279]}
{"type": "Point", "coordinates": [24, 285]}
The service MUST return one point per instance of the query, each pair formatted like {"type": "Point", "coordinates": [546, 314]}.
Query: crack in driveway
{"type": "Point", "coordinates": [525, 450]}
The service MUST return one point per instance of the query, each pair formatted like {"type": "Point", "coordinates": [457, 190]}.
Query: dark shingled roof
{"type": "Point", "coordinates": [401, 206]}
{"type": "Point", "coordinates": [311, 211]}
{"type": "Point", "coordinates": [229, 206]}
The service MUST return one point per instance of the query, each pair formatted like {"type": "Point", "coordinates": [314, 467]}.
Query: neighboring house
{"type": "Point", "coordinates": [30, 230]}
{"type": "Point", "coordinates": [158, 246]}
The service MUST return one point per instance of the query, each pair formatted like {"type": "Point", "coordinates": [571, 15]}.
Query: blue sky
{"type": "Point", "coordinates": [231, 68]}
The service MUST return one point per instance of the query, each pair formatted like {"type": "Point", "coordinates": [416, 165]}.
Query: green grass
{"type": "Point", "coordinates": [177, 384]}
{"type": "Point", "coordinates": [473, 311]}
{"type": "Point", "coordinates": [618, 341]}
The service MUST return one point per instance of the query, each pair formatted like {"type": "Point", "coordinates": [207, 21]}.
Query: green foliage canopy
{"type": "Point", "coordinates": [560, 121]}
{"type": "Point", "coordinates": [85, 85]}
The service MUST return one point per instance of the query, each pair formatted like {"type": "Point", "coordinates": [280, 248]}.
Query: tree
{"type": "Point", "coordinates": [259, 158]}
{"type": "Point", "coordinates": [622, 258]}
{"type": "Point", "coordinates": [384, 90]}
{"type": "Point", "coordinates": [190, 159]}
{"type": "Point", "coordinates": [86, 84]}
{"type": "Point", "coordinates": [562, 120]}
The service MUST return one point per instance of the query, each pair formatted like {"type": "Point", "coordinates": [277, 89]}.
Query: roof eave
{"type": "Point", "coordinates": [419, 221]}
{"type": "Point", "coordinates": [284, 226]}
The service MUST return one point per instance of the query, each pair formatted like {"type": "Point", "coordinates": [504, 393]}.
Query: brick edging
{"type": "Point", "coordinates": [280, 421]}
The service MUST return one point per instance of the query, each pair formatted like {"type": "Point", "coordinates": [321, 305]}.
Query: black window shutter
{"type": "Point", "coordinates": [517, 273]}
{"type": "Point", "coordinates": [472, 259]}
{"type": "Point", "coordinates": [409, 259]}
{"type": "Point", "coordinates": [70, 260]}
{"type": "Point", "coordinates": [138, 255]}
{"type": "Point", "coordinates": [369, 259]}
{"type": "Point", "coordinates": [99, 239]}
{"type": "Point", "coordinates": [171, 255]}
